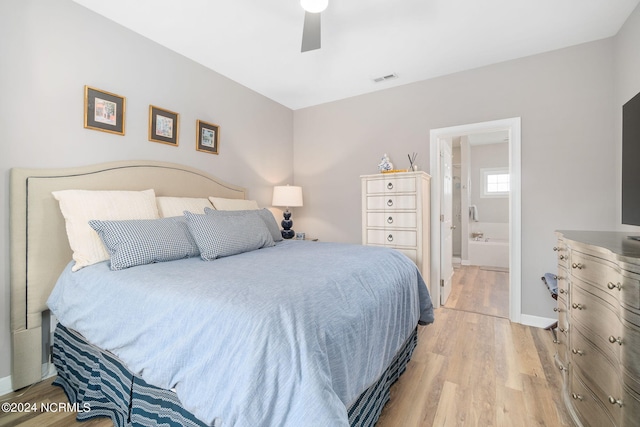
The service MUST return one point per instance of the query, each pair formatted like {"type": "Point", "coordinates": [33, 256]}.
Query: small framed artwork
{"type": "Point", "coordinates": [208, 137]}
{"type": "Point", "coordinates": [163, 126]}
{"type": "Point", "coordinates": [104, 111]}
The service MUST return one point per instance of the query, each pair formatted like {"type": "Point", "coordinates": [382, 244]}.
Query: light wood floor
{"type": "Point", "coordinates": [469, 369]}
{"type": "Point", "coordinates": [483, 290]}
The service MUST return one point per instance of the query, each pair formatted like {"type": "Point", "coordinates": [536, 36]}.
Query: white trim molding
{"type": "Point", "coordinates": [5, 385]}
{"type": "Point", "coordinates": [511, 125]}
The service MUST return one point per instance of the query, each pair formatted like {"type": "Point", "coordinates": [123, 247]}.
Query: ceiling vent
{"type": "Point", "coordinates": [385, 78]}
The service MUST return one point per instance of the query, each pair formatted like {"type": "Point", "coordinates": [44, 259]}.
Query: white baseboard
{"type": "Point", "coordinates": [536, 321]}
{"type": "Point", "coordinates": [5, 385]}
{"type": "Point", "coordinates": [48, 371]}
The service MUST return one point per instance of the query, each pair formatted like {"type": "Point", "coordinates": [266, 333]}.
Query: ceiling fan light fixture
{"type": "Point", "coordinates": [314, 6]}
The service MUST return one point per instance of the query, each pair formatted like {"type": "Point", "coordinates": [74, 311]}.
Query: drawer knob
{"type": "Point", "coordinates": [562, 368]}
{"type": "Point", "coordinates": [614, 340]}
{"type": "Point", "coordinates": [577, 265]}
{"type": "Point", "coordinates": [615, 401]}
{"type": "Point", "coordinates": [390, 220]}
{"type": "Point", "coordinates": [390, 186]}
{"type": "Point", "coordinates": [555, 249]}
{"type": "Point", "coordinates": [578, 352]}
{"type": "Point", "coordinates": [556, 309]}
{"type": "Point", "coordinates": [562, 291]}
{"type": "Point", "coordinates": [577, 306]}
{"type": "Point", "coordinates": [563, 257]}
{"type": "Point", "coordinates": [577, 396]}
{"type": "Point", "coordinates": [390, 202]}
{"type": "Point", "coordinates": [390, 237]}
{"type": "Point", "coordinates": [611, 286]}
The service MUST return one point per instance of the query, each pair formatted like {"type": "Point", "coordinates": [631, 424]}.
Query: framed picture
{"type": "Point", "coordinates": [207, 137]}
{"type": "Point", "coordinates": [104, 111]}
{"type": "Point", "coordinates": [163, 126]}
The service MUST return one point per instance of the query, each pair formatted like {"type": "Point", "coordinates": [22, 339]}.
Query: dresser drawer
{"type": "Point", "coordinates": [631, 402]}
{"type": "Point", "coordinates": [563, 254]}
{"type": "Point", "coordinates": [392, 184]}
{"type": "Point", "coordinates": [392, 219]}
{"type": "Point", "coordinates": [392, 237]}
{"type": "Point", "coordinates": [597, 319]}
{"type": "Point", "coordinates": [603, 276]}
{"type": "Point", "coordinates": [590, 410]}
{"type": "Point", "coordinates": [392, 202]}
{"type": "Point", "coordinates": [629, 289]}
{"type": "Point", "coordinates": [562, 335]}
{"type": "Point", "coordinates": [598, 372]}
{"type": "Point", "coordinates": [630, 349]}
{"type": "Point", "coordinates": [563, 282]}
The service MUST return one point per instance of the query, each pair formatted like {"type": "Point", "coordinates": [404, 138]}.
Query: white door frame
{"type": "Point", "coordinates": [515, 250]}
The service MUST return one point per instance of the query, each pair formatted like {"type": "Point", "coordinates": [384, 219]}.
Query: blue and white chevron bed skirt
{"type": "Point", "coordinates": [101, 384]}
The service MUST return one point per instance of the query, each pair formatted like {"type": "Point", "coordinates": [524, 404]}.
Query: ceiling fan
{"type": "Point", "coordinates": [311, 29]}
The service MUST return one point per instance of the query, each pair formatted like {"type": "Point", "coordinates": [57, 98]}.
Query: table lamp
{"type": "Point", "coordinates": [287, 196]}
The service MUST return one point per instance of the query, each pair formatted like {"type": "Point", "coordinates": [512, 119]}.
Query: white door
{"type": "Point", "coordinates": [446, 220]}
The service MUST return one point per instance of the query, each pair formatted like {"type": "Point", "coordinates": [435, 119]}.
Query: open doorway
{"type": "Point", "coordinates": [507, 232]}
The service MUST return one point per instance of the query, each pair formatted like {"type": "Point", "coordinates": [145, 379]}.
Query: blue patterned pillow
{"type": "Point", "coordinates": [266, 215]}
{"type": "Point", "coordinates": [218, 234]}
{"type": "Point", "coordinates": [144, 241]}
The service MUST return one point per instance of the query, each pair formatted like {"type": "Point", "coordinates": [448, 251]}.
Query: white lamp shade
{"type": "Point", "coordinates": [287, 196]}
{"type": "Point", "coordinates": [314, 6]}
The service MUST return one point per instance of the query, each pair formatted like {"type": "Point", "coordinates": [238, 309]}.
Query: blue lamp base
{"type": "Point", "coordinates": [287, 223]}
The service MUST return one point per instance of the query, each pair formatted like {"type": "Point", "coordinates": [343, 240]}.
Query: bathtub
{"type": "Point", "coordinates": [490, 252]}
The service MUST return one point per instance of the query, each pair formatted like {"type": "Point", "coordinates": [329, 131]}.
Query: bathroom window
{"type": "Point", "coordinates": [495, 182]}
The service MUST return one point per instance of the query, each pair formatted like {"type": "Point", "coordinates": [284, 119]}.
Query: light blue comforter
{"type": "Point", "coordinates": [282, 336]}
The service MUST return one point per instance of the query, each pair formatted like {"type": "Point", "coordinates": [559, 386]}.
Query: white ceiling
{"type": "Point", "coordinates": [257, 42]}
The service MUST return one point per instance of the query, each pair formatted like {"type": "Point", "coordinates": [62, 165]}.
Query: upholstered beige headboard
{"type": "Point", "coordinates": [39, 244]}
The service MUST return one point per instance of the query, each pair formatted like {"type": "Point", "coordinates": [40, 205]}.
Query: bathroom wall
{"type": "Point", "coordinates": [490, 209]}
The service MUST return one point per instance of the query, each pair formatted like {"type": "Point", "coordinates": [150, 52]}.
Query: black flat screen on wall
{"type": "Point", "coordinates": [631, 161]}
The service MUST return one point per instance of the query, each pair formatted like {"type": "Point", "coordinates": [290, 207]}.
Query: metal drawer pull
{"type": "Point", "coordinates": [390, 202]}
{"type": "Point", "coordinates": [611, 286]}
{"type": "Point", "coordinates": [555, 249]}
{"type": "Point", "coordinates": [577, 396]}
{"type": "Point", "coordinates": [563, 257]}
{"type": "Point", "coordinates": [562, 368]}
{"type": "Point", "coordinates": [615, 401]}
{"type": "Point", "coordinates": [578, 265]}
{"type": "Point", "coordinates": [562, 291]}
{"type": "Point", "coordinates": [390, 220]}
{"type": "Point", "coordinates": [614, 340]}
{"type": "Point", "coordinates": [578, 352]}
{"type": "Point", "coordinates": [577, 306]}
{"type": "Point", "coordinates": [390, 186]}
{"type": "Point", "coordinates": [390, 237]}
{"type": "Point", "coordinates": [556, 309]}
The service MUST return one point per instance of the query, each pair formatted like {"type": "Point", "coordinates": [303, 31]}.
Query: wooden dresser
{"type": "Point", "coordinates": [395, 213]}
{"type": "Point", "coordinates": [599, 327]}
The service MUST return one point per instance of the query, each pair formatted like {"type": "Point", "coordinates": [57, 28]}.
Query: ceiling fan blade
{"type": "Point", "coordinates": [311, 32]}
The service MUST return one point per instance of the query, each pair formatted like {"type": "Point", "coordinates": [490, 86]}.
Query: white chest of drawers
{"type": "Point", "coordinates": [599, 327]}
{"type": "Point", "coordinates": [395, 213]}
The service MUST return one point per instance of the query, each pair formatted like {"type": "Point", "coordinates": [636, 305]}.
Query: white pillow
{"type": "Point", "coordinates": [175, 206]}
{"type": "Point", "coordinates": [222, 204]}
{"type": "Point", "coordinates": [78, 207]}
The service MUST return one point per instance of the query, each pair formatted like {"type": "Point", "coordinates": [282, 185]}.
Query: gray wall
{"type": "Point", "coordinates": [566, 101]}
{"type": "Point", "coordinates": [52, 48]}
{"type": "Point", "coordinates": [627, 85]}
{"type": "Point", "coordinates": [490, 209]}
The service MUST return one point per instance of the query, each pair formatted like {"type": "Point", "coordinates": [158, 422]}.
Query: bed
{"type": "Point", "coordinates": [316, 337]}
